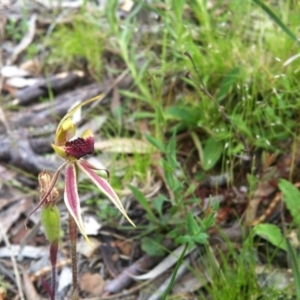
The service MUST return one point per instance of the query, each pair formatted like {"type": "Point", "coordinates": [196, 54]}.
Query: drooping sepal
{"type": "Point", "coordinates": [72, 199]}
{"type": "Point", "coordinates": [104, 187]}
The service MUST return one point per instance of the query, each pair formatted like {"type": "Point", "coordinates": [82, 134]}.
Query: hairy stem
{"type": "Point", "coordinates": [73, 243]}
{"type": "Point", "coordinates": [53, 260]}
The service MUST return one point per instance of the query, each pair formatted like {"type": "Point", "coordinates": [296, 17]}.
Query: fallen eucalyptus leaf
{"type": "Point", "coordinates": [124, 145]}
{"type": "Point", "coordinates": [168, 262]}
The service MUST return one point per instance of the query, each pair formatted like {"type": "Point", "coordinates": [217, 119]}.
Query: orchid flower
{"type": "Point", "coordinates": [72, 150]}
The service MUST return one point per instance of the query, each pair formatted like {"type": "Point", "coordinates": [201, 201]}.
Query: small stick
{"type": "Point", "coordinates": [124, 294]}
{"type": "Point", "coordinates": [271, 207]}
{"type": "Point", "coordinates": [14, 263]}
{"type": "Point", "coordinates": [26, 40]}
{"type": "Point", "coordinates": [73, 245]}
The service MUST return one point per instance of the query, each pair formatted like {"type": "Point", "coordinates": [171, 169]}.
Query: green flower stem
{"type": "Point", "coordinates": [73, 244]}
{"type": "Point", "coordinates": [51, 222]}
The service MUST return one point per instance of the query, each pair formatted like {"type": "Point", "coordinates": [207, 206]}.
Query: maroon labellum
{"type": "Point", "coordinates": [80, 147]}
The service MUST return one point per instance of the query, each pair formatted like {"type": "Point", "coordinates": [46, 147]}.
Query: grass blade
{"type": "Point", "coordinates": [143, 201]}
{"type": "Point", "coordinates": [294, 265]}
{"type": "Point", "coordinates": [277, 20]}
{"type": "Point", "coordinates": [180, 261]}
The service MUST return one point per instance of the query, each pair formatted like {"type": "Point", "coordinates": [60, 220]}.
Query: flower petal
{"type": "Point", "coordinates": [104, 186]}
{"type": "Point", "coordinates": [87, 134]}
{"type": "Point", "coordinates": [66, 129]}
{"type": "Point", "coordinates": [60, 150]}
{"type": "Point", "coordinates": [65, 132]}
{"type": "Point", "coordinates": [72, 199]}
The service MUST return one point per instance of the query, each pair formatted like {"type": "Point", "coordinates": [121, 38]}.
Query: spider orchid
{"type": "Point", "coordinates": [72, 150]}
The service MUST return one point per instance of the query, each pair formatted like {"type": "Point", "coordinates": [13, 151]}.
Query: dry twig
{"type": "Point", "coordinates": [14, 263]}
{"type": "Point", "coordinates": [26, 41]}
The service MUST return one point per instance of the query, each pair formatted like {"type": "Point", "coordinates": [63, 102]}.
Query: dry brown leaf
{"type": "Point", "coordinates": [92, 283]}
{"type": "Point", "coordinates": [12, 214]}
{"type": "Point", "coordinates": [126, 5]}
{"type": "Point", "coordinates": [29, 289]}
{"type": "Point", "coordinates": [143, 126]}
{"type": "Point", "coordinates": [2, 294]}
{"type": "Point", "coordinates": [109, 255]}
{"type": "Point", "coordinates": [17, 232]}
{"type": "Point", "coordinates": [164, 285]}
{"type": "Point", "coordinates": [264, 189]}
{"type": "Point", "coordinates": [124, 279]}
{"type": "Point", "coordinates": [32, 66]}
{"type": "Point", "coordinates": [189, 283]}
{"type": "Point", "coordinates": [165, 264]}
{"type": "Point", "coordinates": [150, 287]}
{"type": "Point", "coordinates": [85, 249]}
{"type": "Point", "coordinates": [42, 268]}
{"type": "Point", "coordinates": [3, 120]}
{"type": "Point", "coordinates": [124, 246]}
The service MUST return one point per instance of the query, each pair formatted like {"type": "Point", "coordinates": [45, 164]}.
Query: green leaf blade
{"type": "Point", "coordinates": [211, 153]}
{"type": "Point", "coordinates": [272, 234]}
{"type": "Point", "coordinates": [291, 197]}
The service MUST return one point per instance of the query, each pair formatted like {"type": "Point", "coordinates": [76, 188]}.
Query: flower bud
{"type": "Point", "coordinates": [51, 222]}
